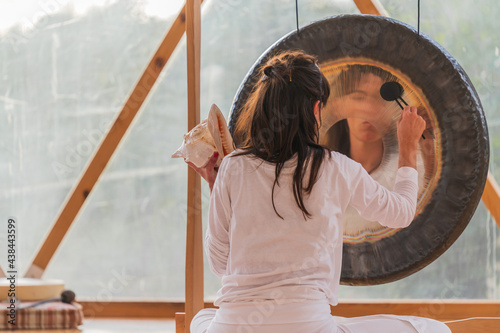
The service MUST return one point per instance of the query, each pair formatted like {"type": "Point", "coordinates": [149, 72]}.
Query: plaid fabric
{"type": "Point", "coordinates": [54, 315]}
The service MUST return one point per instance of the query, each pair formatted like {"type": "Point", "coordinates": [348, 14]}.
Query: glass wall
{"type": "Point", "coordinates": [66, 70]}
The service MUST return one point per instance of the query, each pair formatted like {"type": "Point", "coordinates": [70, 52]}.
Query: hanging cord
{"type": "Point", "coordinates": [418, 18]}
{"type": "Point", "coordinates": [297, 13]}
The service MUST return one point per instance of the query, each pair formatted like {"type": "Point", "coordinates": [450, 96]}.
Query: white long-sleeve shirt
{"type": "Point", "coordinates": [263, 257]}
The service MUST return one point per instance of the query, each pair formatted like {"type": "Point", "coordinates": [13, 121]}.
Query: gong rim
{"type": "Point", "coordinates": [460, 120]}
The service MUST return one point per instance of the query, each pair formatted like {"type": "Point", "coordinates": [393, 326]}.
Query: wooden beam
{"type": "Point", "coordinates": [142, 308]}
{"type": "Point", "coordinates": [194, 239]}
{"type": "Point", "coordinates": [491, 197]}
{"type": "Point", "coordinates": [101, 157]}
{"type": "Point", "coordinates": [440, 309]}
{"type": "Point", "coordinates": [483, 325]}
{"type": "Point", "coordinates": [372, 7]}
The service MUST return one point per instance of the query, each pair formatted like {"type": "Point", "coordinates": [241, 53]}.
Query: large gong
{"type": "Point", "coordinates": [358, 53]}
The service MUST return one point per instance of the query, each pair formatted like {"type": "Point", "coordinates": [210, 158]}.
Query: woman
{"type": "Point", "coordinates": [274, 233]}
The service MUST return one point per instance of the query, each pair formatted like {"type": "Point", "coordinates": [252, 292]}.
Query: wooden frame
{"type": "Point", "coordinates": [194, 241]}
{"type": "Point", "coordinates": [444, 310]}
{"type": "Point", "coordinates": [491, 198]}
{"type": "Point", "coordinates": [479, 324]}
{"type": "Point", "coordinates": [372, 7]}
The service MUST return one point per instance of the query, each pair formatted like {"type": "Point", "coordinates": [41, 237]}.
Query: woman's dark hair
{"type": "Point", "coordinates": [277, 120]}
{"type": "Point", "coordinates": [337, 138]}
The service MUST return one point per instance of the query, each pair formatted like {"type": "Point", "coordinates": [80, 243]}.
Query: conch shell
{"type": "Point", "coordinates": [209, 136]}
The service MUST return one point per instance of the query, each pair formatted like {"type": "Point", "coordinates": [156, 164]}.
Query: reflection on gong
{"type": "Point", "coordinates": [357, 54]}
{"type": "Point", "coordinates": [360, 124]}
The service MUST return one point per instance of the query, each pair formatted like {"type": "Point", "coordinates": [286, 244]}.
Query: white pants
{"type": "Point", "coordinates": [297, 318]}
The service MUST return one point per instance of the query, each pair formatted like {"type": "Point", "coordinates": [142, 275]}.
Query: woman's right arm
{"type": "Point", "coordinates": [374, 202]}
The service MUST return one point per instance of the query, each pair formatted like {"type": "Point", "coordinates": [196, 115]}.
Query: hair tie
{"type": "Point", "coordinates": [268, 72]}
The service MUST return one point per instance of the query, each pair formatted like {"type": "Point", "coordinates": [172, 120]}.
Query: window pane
{"type": "Point", "coordinates": [65, 73]}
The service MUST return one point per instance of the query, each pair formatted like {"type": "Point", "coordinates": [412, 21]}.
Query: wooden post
{"type": "Point", "coordinates": [100, 159]}
{"type": "Point", "coordinates": [194, 239]}
{"type": "Point", "coordinates": [180, 324]}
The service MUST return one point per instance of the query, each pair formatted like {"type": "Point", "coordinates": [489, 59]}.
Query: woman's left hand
{"type": "Point", "coordinates": [209, 171]}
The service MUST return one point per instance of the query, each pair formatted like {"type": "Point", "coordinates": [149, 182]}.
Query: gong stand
{"type": "Point", "coordinates": [187, 20]}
